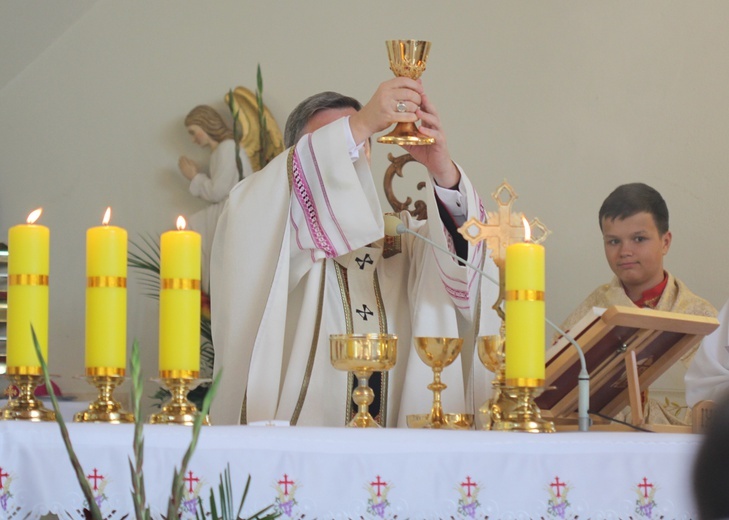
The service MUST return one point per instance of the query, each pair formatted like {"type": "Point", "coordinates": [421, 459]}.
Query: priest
{"type": "Point", "coordinates": [300, 253]}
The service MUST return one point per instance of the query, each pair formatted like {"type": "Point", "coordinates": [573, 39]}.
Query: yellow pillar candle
{"type": "Point", "coordinates": [179, 303]}
{"type": "Point", "coordinates": [525, 316]}
{"type": "Point", "coordinates": [106, 299]}
{"type": "Point", "coordinates": [28, 262]}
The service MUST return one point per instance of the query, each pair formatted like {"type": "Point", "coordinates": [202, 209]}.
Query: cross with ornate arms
{"type": "Point", "coordinates": [501, 229]}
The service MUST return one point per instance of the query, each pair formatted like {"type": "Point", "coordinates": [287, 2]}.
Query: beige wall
{"type": "Point", "coordinates": [566, 100]}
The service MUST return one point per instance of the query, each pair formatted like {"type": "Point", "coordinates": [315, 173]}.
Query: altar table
{"type": "Point", "coordinates": [339, 473]}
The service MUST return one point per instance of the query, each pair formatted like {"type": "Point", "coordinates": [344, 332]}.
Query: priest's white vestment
{"type": "Point", "coordinates": [277, 242]}
{"type": "Point", "coordinates": [707, 377]}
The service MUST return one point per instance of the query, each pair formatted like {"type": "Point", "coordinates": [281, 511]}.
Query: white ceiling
{"type": "Point", "coordinates": [29, 27]}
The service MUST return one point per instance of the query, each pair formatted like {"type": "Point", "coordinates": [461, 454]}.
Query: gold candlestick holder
{"type": "Point", "coordinates": [525, 416]}
{"type": "Point", "coordinates": [105, 408]}
{"type": "Point", "coordinates": [26, 406]}
{"type": "Point", "coordinates": [178, 409]}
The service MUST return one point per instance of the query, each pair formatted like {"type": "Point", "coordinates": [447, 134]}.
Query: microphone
{"type": "Point", "coordinates": [394, 226]}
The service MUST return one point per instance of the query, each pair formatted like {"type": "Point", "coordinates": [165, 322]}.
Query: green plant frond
{"type": "Point", "coordinates": [148, 250]}
{"type": "Point", "coordinates": [80, 476]}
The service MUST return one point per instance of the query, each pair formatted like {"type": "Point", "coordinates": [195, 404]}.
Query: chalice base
{"type": "Point", "coordinates": [526, 415]}
{"type": "Point", "coordinates": [179, 409]}
{"type": "Point", "coordinates": [361, 420]}
{"type": "Point", "coordinates": [105, 408]}
{"type": "Point", "coordinates": [26, 407]}
{"type": "Point", "coordinates": [450, 421]}
{"type": "Point", "coordinates": [406, 134]}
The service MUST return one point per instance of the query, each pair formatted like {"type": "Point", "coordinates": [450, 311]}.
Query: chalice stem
{"type": "Point", "coordinates": [436, 412]}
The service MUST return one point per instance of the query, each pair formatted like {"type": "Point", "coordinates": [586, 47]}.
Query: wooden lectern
{"type": "Point", "coordinates": [626, 349]}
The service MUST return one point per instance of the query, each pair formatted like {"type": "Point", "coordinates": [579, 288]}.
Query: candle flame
{"type": "Point", "coordinates": [527, 229]}
{"type": "Point", "coordinates": [107, 216]}
{"type": "Point", "coordinates": [34, 216]}
{"type": "Point", "coordinates": [181, 223]}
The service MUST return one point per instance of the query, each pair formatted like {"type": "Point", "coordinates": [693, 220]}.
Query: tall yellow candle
{"type": "Point", "coordinates": [106, 299]}
{"type": "Point", "coordinates": [28, 263]}
{"type": "Point", "coordinates": [525, 316]}
{"type": "Point", "coordinates": [179, 303]}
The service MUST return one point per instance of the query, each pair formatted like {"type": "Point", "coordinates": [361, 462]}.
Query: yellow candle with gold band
{"type": "Point", "coordinates": [525, 317]}
{"type": "Point", "coordinates": [179, 303]}
{"type": "Point", "coordinates": [106, 299]}
{"type": "Point", "coordinates": [28, 264]}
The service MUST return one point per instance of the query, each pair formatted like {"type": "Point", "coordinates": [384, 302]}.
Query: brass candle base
{"type": "Point", "coordinates": [105, 409]}
{"type": "Point", "coordinates": [179, 409]}
{"type": "Point", "coordinates": [26, 406]}
{"type": "Point", "coordinates": [494, 410]}
{"type": "Point", "coordinates": [525, 416]}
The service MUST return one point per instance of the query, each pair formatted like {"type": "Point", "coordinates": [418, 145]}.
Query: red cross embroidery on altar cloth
{"type": "Point", "coordinates": [645, 485]}
{"type": "Point", "coordinates": [378, 483]}
{"type": "Point", "coordinates": [3, 475]}
{"type": "Point", "coordinates": [468, 485]}
{"type": "Point", "coordinates": [190, 479]}
{"type": "Point", "coordinates": [95, 477]}
{"type": "Point", "coordinates": [557, 484]}
{"type": "Point", "coordinates": [286, 482]}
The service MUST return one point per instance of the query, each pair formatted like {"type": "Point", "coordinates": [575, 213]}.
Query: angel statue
{"type": "Point", "coordinates": [258, 141]}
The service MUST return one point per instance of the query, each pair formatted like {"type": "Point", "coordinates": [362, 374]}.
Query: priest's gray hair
{"type": "Point", "coordinates": [301, 115]}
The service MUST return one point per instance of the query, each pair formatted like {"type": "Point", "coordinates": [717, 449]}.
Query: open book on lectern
{"type": "Point", "coordinates": [607, 336]}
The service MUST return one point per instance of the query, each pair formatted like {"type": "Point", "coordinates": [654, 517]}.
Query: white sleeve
{"type": "Point", "coordinates": [707, 376]}
{"type": "Point", "coordinates": [455, 201]}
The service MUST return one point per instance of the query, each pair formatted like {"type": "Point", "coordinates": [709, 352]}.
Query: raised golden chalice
{"type": "Point", "coordinates": [363, 354]}
{"type": "Point", "coordinates": [407, 59]}
{"type": "Point", "coordinates": [438, 353]}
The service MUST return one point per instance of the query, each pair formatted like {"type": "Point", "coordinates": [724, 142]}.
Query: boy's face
{"type": "Point", "coordinates": [634, 250]}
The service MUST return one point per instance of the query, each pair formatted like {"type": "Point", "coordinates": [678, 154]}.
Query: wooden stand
{"type": "Point", "coordinates": [626, 349]}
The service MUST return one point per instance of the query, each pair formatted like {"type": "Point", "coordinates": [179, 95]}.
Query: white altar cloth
{"type": "Point", "coordinates": [345, 473]}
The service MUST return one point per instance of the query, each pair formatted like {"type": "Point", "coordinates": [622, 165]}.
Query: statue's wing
{"type": "Point", "coordinates": [244, 103]}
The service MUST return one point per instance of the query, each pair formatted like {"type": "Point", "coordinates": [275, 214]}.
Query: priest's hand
{"type": "Point", "coordinates": [187, 166]}
{"type": "Point", "coordinates": [435, 157]}
{"type": "Point", "coordinates": [381, 111]}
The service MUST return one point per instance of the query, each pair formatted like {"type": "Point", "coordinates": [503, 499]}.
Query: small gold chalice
{"type": "Point", "coordinates": [438, 353]}
{"type": "Point", "coordinates": [363, 354]}
{"type": "Point", "coordinates": [407, 59]}
{"type": "Point", "coordinates": [491, 353]}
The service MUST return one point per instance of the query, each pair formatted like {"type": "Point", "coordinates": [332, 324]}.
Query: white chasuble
{"type": "Point", "coordinates": [276, 296]}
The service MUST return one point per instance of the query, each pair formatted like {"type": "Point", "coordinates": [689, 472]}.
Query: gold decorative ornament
{"type": "Point", "coordinates": [246, 105]}
{"type": "Point", "coordinates": [420, 210]}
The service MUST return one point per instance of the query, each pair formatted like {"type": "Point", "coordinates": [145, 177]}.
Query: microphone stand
{"type": "Point", "coordinates": [583, 379]}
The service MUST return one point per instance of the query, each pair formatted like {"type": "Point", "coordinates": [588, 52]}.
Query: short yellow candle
{"type": "Point", "coordinates": [525, 316]}
{"type": "Point", "coordinates": [179, 303]}
{"type": "Point", "coordinates": [28, 263]}
{"type": "Point", "coordinates": [106, 299]}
